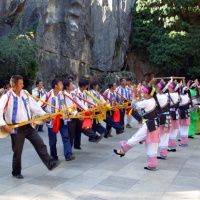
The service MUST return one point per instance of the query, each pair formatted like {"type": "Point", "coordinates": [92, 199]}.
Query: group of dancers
{"type": "Point", "coordinates": [171, 110]}
{"type": "Point", "coordinates": [162, 114]}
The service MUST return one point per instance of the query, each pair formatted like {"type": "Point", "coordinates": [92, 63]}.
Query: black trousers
{"type": "Point", "coordinates": [74, 129]}
{"type": "Point", "coordinates": [17, 146]}
{"type": "Point", "coordinates": [110, 123]}
{"type": "Point", "coordinates": [122, 115]}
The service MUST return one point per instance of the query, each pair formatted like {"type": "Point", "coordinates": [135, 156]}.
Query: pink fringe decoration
{"type": "Point", "coordinates": [153, 137]}
{"type": "Point", "coordinates": [175, 124]}
{"type": "Point", "coordinates": [185, 122]}
{"type": "Point", "coordinates": [152, 162]}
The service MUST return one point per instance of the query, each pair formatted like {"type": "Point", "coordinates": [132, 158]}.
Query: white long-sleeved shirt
{"type": "Point", "coordinates": [69, 102]}
{"type": "Point", "coordinates": [57, 101]}
{"type": "Point", "coordinates": [111, 95]}
{"type": "Point", "coordinates": [122, 91]}
{"type": "Point", "coordinates": [185, 99]}
{"type": "Point", "coordinates": [78, 100]}
{"type": "Point", "coordinates": [97, 95]}
{"type": "Point", "coordinates": [23, 113]}
{"type": "Point", "coordinates": [162, 99]}
{"type": "Point", "coordinates": [38, 93]}
{"type": "Point", "coordinates": [175, 98]}
{"type": "Point", "coordinates": [146, 104]}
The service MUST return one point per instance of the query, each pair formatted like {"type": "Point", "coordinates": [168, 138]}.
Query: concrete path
{"type": "Point", "coordinates": [99, 174]}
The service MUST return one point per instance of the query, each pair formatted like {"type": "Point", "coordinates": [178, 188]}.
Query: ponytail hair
{"type": "Point", "coordinates": [152, 92]}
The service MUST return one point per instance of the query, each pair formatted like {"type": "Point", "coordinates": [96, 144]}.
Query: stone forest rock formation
{"type": "Point", "coordinates": [75, 37]}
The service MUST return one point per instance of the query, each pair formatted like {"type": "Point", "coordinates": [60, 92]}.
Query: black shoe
{"type": "Point", "coordinates": [152, 169]}
{"type": "Point", "coordinates": [18, 176]}
{"type": "Point", "coordinates": [183, 145]}
{"type": "Point", "coordinates": [106, 135]}
{"type": "Point", "coordinates": [110, 136]}
{"type": "Point", "coordinates": [119, 131]}
{"type": "Point", "coordinates": [161, 157]}
{"type": "Point", "coordinates": [77, 148]}
{"type": "Point", "coordinates": [179, 140]}
{"type": "Point", "coordinates": [171, 150]}
{"type": "Point", "coordinates": [119, 152]}
{"type": "Point", "coordinates": [92, 140]}
{"type": "Point", "coordinates": [53, 164]}
{"type": "Point", "coordinates": [99, 138]}
{"type": "Point", "coordinates": [191, 137]}
{"type": "Point", "coordinates": [70, 159]}
{"type": "Point", "coordinates": [41, 131]}
{"type": "Point", "coordinates": [128, 126]}
{"type": "Point", "coordinates": [141, 142]}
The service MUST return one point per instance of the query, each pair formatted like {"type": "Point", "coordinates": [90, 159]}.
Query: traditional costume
{"type": "Point", "coordinates": [57, 125]}
{"type": "Point", "coordinates": [148, 131]}
{"type": "Point", "coordinates": [185, 102]}
{"type": "Point", "coordinates": [174, 113]}
{"type": "Point", "coordinates": [164, 120]}
{"type": "Point", "coordinates": [193, 111]}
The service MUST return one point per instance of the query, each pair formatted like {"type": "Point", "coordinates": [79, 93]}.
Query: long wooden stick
{"type": "Point", "coordinates": [38, 99]}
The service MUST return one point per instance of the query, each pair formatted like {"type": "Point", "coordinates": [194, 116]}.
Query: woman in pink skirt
{"type": "Point", "coordinates": [148, 131]}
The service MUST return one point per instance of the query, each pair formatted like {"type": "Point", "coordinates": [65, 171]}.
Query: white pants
{"type": "Point", "coordinates": [172, 138]}
{"type": "Point", "coordinates": [183, 130]}
{"type": "Point", "coordinates": [129, 118]}
{"type": "Point", "coordinates": [151, 148]}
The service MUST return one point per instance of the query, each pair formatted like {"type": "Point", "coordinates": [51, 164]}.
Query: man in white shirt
{"type": "Point", "coordinates": [75, 125]}
{"type": "Point", "coordinates": [56, 98]}
{"type": "Point", "coordinates": [39, 92]}
{"type": "Point", "coordinates": [83, 85]}
{"type": "Point", "coordinates": [123, 91]}
{"type": "Point", "coordinates": [6, 87]}
{"type": "Point", "coordinates": [111, 96]}
{"type": "Point", "coordinates": [16, 107]}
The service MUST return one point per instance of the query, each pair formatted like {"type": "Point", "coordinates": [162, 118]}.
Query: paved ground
{"type": "Point", "coordinates": [97, 173]}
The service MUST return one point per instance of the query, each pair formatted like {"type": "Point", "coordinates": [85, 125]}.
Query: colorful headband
{"type": "Point", "coordinates": [149, 90]}
{"type": "Point", "coordinates": [145, 89]}
{"type": "Point", "coordinates": [191, 84]}
{"type": "Point", "coordinates": [172, 85]}
{"type": "Point", "coordinates": [184, 89]}
{"type": "Point", "coordinates": [160, 85]}
{"type": "Point", "coordinates": [163, 87]}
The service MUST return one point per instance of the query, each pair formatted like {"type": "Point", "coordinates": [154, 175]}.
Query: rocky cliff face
{"type": "Point", "coordinates": [75, 36]}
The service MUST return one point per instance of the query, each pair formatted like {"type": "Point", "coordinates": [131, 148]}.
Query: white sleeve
{"type": "Point", "coordinates": [35, 92]}
{"type": "Point", "coordinates": [35, 108]}
{"type": "Point", "coordinates": [80, 102]}
{"type": "Point", "coordinates": [141, 104]}
{"type": "Point", "coordinates": [90, 99]}
{"type": "Point", "coordinates": [3, 101]}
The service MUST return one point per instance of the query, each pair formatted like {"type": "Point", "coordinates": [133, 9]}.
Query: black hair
{"type": "Point", "coordinates": [110, 85]}
{"type": "Point", "coordinates": [6, 82]}
{"type": "Point", "coordinates": [157, 102]}
{"type": "Point", "coordinates": [128, 79]}
{"type": "Point", "coordinates": [71, 78]}
{"type": "Point", "coordinates": [55, 82]}
{"type": "Point", "coordinates": [37, 82]}
{"type": "Point", "coordinates": [121, 79]}
{"type": "Point", "coordinates": [93, 83]}
{"type": "Point", "coordinates": [66, 83]}
{"type": "Point", "coordinates": [154, 95]}
{"type": "Point", "coordinates": [14, 79]}
{"type": "Point", "coordinates": [83, 82]}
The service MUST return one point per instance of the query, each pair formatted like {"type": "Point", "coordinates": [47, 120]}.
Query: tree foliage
{"type": "Point", "coordinates": [18, 55]}
{"type": "Point", "coordinates": [168, 31]}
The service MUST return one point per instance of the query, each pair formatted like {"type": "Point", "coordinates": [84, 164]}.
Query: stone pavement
{"type": "Point", "coordinates": [97, 173]}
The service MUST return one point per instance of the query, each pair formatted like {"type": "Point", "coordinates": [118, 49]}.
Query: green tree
{"type": "Point", "coordinates": [168, 32]}
{"type": "Point", "coordinates": [18, 55]}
